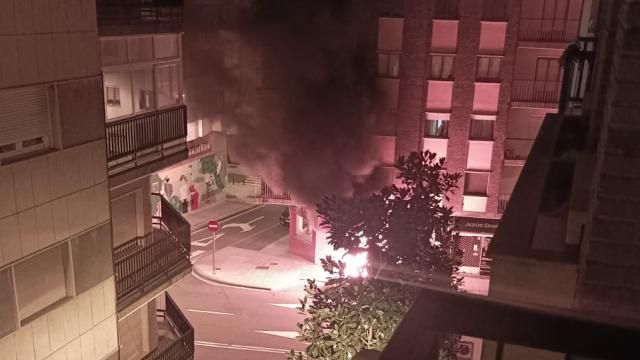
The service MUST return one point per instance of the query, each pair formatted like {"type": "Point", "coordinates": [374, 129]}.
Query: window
{"type": "Point", "coordinates": [390, 33]}
{"type": "Point", "coordinates": [389, 64]}
{"type": "Point", "coordinates": [547, 69]}
{"type": "Point", "coordinates": [439, 95]}
{"type": "Point", "coordinates": [40, 281]}
{"type": "Point", "coordinates": [492, 37]}
{"type": "Point", "coordinates": [167, 85]}
{"type": "Point", "coordinates": [113, 96]}
{"type": "Point", "coordinates": [481, 129]}
{"type": "Point", "coordinates": [140, 49]}
{"type": "Point", "coordinates": [488, 68]}
{"type": "Point", "coordinates": [143, 89]}
{"type": "Point", "coordinates": [442, 67]}
{"type": "Point", "coordinates": [475, 183]}
{"type": "Point", "coordinates": [446, 9]}
{"type": "Point", "coordinates": [436, 128]}
{"type": "Point", "coordinates": [444, 36]}
{"type": "Point", "coordinates": [114, 51]}
{"type": "Point", "coordinates": [165, 46]}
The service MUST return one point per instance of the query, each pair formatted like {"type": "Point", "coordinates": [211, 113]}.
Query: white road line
{"type": "Point", "coordinates": [196, 253]}
{"type": "Point", "coordinates": [256, 234]}
{"type": "Point", "coordinates": [288, 306]}
{"type": "Point", "coordinates": [241, 347]}
{"type": "Point", "coordinates": [285, 334]}
{"type": "Point", "coordinates": [210, 312]}
{"type": "Point", "coordinates": [234, 216]}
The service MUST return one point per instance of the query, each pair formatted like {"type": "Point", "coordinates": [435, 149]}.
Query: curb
{"type": "Point", "coordinates": [208, 277]}
{"type": "Point", "coordinates": [202, 225]}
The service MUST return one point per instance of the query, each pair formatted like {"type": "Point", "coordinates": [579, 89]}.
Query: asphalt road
{"type": "Point", "coordinates": [235, 323]}
{"type": "Point", "coordinates": [252, 230]}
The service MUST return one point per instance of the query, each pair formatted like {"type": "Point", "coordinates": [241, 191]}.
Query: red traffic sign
{"type": "Point", "coordinates": [213, 225]}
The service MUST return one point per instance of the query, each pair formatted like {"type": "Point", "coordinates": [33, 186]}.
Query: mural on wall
{"type": "Point", "coordinates": [190, 186]}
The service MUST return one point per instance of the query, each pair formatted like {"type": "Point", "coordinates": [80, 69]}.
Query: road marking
{"type": "Point", "coordinates": [246, 226]}
{"type": "Point", "coordinates": [256, 234]}
{"type": "Point", "coordinates": [206, 241]}
{"type": "Point", "coordinates": [210, 312]}
{"type": "Point", "coordinates": [288, 306]}
{"type": "Point", "coordinates": [234, 216]}
{"type": "Point", "coordinates": [286, 334]}
{"type": "Point", "coordinates": [196, 253]}
{"type": "Point", "coordinates": [241, 347]}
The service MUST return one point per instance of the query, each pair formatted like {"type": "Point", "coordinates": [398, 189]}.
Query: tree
{"type": "Point", "coordinates": [407, 234]}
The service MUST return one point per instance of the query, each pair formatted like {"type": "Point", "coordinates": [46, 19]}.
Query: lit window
{"type": "Point", "coordinates": [442, 67]}
{"type": "Point", "coordinates": [436, 128]}
{"type": "Point", "coordinates": [488, 68]}
{"type": "Point", "coordinates": [167, 85]}
{"type": "Point", "coordinates": [389, 64]}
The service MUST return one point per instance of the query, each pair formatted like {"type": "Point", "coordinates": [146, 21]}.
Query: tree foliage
{"type": "Point", "coordinates": [406, 230]}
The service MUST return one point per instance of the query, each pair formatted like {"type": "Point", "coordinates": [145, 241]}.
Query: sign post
{"type": "Point", "coordinates": [213, 226]}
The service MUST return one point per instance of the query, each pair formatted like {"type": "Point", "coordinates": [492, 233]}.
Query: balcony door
{"type": "Point", "coordinates": [127, 218]}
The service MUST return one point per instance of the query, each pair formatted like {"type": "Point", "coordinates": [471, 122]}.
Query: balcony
{"type": "Point", "coordinates": [177, 342]}
{"type": "Point", "coordinates": [144, 263]}
{"type": "Point", "coordinates": [551, 30]}
{"type": "Point", "coordinates": [577, 70]}
{"type": "Point", "coordinates": [139, 12]}
{"type": "Point", "coordinates": [517, 149]}
{"type": "Point", "coordinates": [147, 142]}
{"type": "Point", "coordinates": [503, 201]}
{"type": "Point", "coordinates": [537, 91]}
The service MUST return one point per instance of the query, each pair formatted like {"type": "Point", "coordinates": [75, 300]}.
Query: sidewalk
{"type": "Point", "coordinates": [271, 268]}
{"type": "Point", "coordinates": [218, 211]}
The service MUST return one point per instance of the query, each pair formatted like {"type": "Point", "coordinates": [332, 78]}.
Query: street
{"type": "Point", "coordinates": [237, 323]}
{"type": "Point", "coordinates": [252, 230]}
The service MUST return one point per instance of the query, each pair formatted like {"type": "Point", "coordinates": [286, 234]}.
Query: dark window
{"type": "Point", "coordinates": [442, 67]}
{"type": "Point", "coordinates": [481, 129]}
{"type": "Point", "coordinates": [389, 64]}
{"type": "Point", "coordinates": [436, 128]}
{"type": "Point", "coordinates": [476, 183]}
{"type": "Point", "coordinates": [488, 68]}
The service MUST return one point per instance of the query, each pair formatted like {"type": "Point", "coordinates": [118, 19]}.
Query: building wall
{"type": "Point", "coordinates": [55, 235]}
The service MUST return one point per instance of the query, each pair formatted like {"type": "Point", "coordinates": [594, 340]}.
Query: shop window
{"type": "Point", "coordinates": [389, 64]}
{"type": "Point", "coordinates": [442, 67]}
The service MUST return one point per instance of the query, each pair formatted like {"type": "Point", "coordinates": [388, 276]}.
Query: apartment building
{"type": "Point", "coordinates": [146, 131]}
{"type": "Point", "coordinates": [475, 91]}
{"type": "Point", "coordinates": [57, 285]}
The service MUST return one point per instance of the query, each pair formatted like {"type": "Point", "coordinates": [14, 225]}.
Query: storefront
{"type": "Point", "coordinates": [193, 184]}
{"type": "Point", "coordinates": [475, 236]}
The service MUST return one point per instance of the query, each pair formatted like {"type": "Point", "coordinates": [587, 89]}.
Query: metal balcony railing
{"type": "Point", "coordinates": [578, 62]}
{"type": "Point", "coordinates": [133, 141]}
{"type": "Point", "coordinates": [540, 91]}
{"type": "Point", "coordinates": [182, 346]}
{"type": "Point", "coordinates": [134, 12]}
{"type": "Point", "coordinates": [553, 30]}
{"type": "Point", "coordinates": [503, 201]}
{"type": "Point", "coordinates": [517, 149]}
{"type": "Point", "coordinates": [146, 260]}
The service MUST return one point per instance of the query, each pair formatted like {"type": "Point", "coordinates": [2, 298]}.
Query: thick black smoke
{"type": "Point", "coordinates": [308, 127]}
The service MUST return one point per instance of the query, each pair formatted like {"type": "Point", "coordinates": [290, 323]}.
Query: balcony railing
{"type": "Point", "coordinates": [517, 149]}
{"type": "Point", "coordinates": [540, 91]}
{"type": "Point", "coordinates": [144, 138]}
{"type": "Point", "coordinates": [577, 69]}
{"type": "Point", "coordinates": [181, 347]}
{"type": "Point", "coordinates": [503, 201]}
{"type": "Point", "coordinates": [552, 30]}
{"type": "Point", "coordinates": [134, 12]}
{"type": "Point", "coordinates": [147, 260]}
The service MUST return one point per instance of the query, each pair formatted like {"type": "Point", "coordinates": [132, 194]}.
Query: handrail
{"type": "Point", "coordinates": [181, 348]}
{"type": "Point", "coordinates": [110, 12]}
{"type": "Point", "coordinates": [138, 262]}
{"type": "Point", "coordinates": [543, 91]}
{"type": "Point", "coordinates": [553, 30]}
{"type": "Point", "coordinates": [129, 136]}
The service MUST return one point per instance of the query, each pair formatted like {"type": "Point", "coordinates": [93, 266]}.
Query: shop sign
{"type": "Point", "coordinates": [476, 225]}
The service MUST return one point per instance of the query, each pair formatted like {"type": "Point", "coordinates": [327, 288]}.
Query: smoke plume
{"type": "Point", "coordinates": [308, 125]}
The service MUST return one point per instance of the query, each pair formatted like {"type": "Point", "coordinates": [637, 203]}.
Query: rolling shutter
{"type": "Point", "coordinates": [24, 115]}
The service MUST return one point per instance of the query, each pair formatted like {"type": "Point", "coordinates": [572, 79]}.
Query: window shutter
{"type": "Point", "coordinates": [24, 115]}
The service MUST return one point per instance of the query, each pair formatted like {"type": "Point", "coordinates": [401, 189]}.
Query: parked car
{"type": "Point", "coordinates": [285, 217]}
